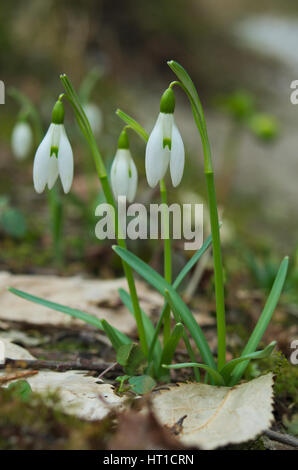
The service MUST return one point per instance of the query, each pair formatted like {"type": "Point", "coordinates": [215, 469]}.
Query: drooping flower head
{"type": "Point", "coordinates": [21, 140]}
{"type": "Point", "coordinates": [124, 175]}
{"type": "Point", "coordinates": [165, 145]}
{"type": "Point", "coordinates": [54, 155]}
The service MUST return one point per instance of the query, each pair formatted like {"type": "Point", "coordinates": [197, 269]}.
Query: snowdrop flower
{"type": "Point", "coordinates": [124, 175]}
{"type": "Point", "coordinates": [94, 116]}
{"type": "Point", "coordinates": [21, 140]}
{"type": "Point", "coordinates": [54, 155]}
{"type": "Point", "coordinates": [165, 145]}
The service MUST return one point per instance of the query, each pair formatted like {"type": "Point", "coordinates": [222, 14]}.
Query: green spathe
{"type": "Point", "coordinates": [167, 102]}
{"type": "Point", "coordinates": [123, 142]}
{"type": "Point", "coordinates": [58, 113]}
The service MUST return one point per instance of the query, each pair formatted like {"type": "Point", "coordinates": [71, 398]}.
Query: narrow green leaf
{"type": "Point", "coordinates": [227, 370]}
{"type": "Point", "coordinates": [117, 338]}
{"type": "Point", "coordinates": [214, 373]}
{"type": "Point", "coordinates": [171, 344]}
{"type": "Point", "coordinates": [193, 260]}
{"type": "Point", "coordinates": [73, 312]}
{"type": "Point", "coordinates": [133, 124]}
{"type": "Point", "coordinates": [161, 285]}
{"type": "Point", "coordinates": [185, 337]}
{"type": "Point", "coordinates": [176, 284]}
{"type": "Point", "coordinates": [264, 319]}
{"type": "Point", "coordinates": [148, 326]}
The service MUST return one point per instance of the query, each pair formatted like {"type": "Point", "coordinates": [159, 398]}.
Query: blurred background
{"type": "Point", "coordinates": [242, 56]}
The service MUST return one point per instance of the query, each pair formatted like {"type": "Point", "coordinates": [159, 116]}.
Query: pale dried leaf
{"type": "Point", "coordinates": [13, 351]}
{"type": "Point", "coordinates": [80, 395]}
{"type": "Point", "coordinates": [217, 416]}
{"type": "Point", "coordinates": [89, 295]}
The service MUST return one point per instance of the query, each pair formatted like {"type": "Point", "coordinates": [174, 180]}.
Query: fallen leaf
{"type": "Point", "coordinates": [80, 395]}
{"type": "Point", "coordinates": [13, 351]}
{"type": "Point", "coordinates": [217, 416]}
{"type": "Point", "coordinates": [89, 295]}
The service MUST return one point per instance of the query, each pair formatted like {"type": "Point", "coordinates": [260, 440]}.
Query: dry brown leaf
{"type": "Point", "coordinates": [89, 295]}
{"type": "Point", "coordinates": [217, 416]}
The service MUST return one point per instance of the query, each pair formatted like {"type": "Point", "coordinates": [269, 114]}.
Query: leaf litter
{"type": "Point", "coordinates": [196, 415]}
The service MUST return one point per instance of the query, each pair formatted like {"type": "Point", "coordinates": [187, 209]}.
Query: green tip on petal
{"type": "Point", "coordinates": [58, 113]}
{"type": "Point", "coordinates": [167, 102]}
{"type": "Point", "coordinates": [123, 142]}
{"type": "Point", "coordinates": [167, 143]}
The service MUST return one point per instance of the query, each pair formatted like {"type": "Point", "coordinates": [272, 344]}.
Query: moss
{"type": "Point", "coordinates": [40, 424]}
{"type": "Point", "coordinates": [286, 377]}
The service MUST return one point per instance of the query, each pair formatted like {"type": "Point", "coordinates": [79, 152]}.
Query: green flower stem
{"type": "Point", "coordinates": [188, 87]}
{"type": "Point", "coordinates": [56, 210]}
{"type": "Point", "coordinates": [167, 260]}
{"type": "Point", "coordinates": [102, 174]}
{"type": "Point", "coordinates": [218, 271]}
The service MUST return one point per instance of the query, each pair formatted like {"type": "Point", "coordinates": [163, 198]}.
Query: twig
{"type": "Point", "coordinates": [283, 438]}
{"type": "Point", "coordinates": [17, 375]}
{"type": "Point", "coordinates": [107, 370]}
{"type": "Point", "coordinates": [79, 364]}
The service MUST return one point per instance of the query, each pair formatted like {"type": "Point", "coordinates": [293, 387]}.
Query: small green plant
{"type": "Point", "coordinates": [150, 360]}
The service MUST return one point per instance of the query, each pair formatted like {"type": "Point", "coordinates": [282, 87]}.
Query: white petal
{"type": "Point", "coordinates": [167, 125]}
{"type": "Point", "coordinates": [177, 157]}
{"type": "Point", "coordinates": [133, 181]}
{"type": "Point", "coordinates": [53, 171]}
{"type": "Point", "coordinates": [21, 140]}
{"type": "Point", "coordinates": [120, 173]}
{"type": "Point", "coordinates": [56, 134]}
{"type": "Point", "coordinates": [157, 157]}
{"type": "Point", "coordinates": [41, 162]}
{"type": "Point", "coordinates": [65, 161]}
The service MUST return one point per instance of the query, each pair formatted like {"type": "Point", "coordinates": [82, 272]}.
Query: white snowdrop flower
{"type": "Point", "coordinates": [94, 116]}
{"type": "Point", "coordinates": [54, 155]}
{"type": "Point", "coordinates": [165, 145]}
{"type": "Point", "coordinates": [21, 140]}
{"type": "Point", "coordinates": [124, 175]}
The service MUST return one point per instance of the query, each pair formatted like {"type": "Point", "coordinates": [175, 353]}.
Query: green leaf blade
{"type": "Point", "coordinates": [161, 286]}
{"type": "Point", "coordinates": [214, 373]}
{"type": "Point", "coordinates": [133, 124]}
{"type": "Point", "coordinates": [117, 335]}
{"type": "Point", "coordinates": [264, 319]}
{"type": "Point", "coordinates": [227, 370]}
